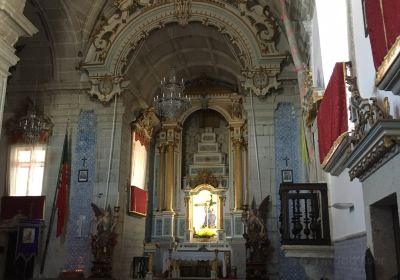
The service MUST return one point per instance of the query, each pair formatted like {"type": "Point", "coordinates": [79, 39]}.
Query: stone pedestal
{"type": "Point", "coordinates": [168, 225]}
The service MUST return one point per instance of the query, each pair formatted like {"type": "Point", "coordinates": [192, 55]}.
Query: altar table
{"type": "Point", "coordinates": [193, 256]}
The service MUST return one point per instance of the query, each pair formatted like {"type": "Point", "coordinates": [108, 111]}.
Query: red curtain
{"type": "Point", "coordinates": [383, 21]}
{"type": "Point", "coordinates": [332, 112]}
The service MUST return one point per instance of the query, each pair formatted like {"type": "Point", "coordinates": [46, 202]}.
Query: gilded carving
{"type": "Point", "coordinates": [182, 11]}
{"type": "Point", "coordinates": [364, 113]}
{"type": "Point", "coordinates": [308, 79]}
{"type": "Point", "coordinates": [262, 81]}
{"type": "Point", "coordinates": [104, 88]}
{"type": "Point", "coordinates": [373, 158]}
{"type": "Point", "coordinates": [264, 23]}
{"type": "Point", "coordinates": [204, 176]}
{"type": "Point", "coordinates": [237, 106]}
{"type": "Point", "coordinates": [388, 61]}
{"type": "Point", "coordinates": [144, 125]}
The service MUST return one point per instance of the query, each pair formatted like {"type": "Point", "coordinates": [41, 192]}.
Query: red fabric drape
{"type": "Point", "coordinates": [383, 21]}
{"type": "Point", "coordinates": [332, 113]}
{"type": "Point", "coordinates": [138, 202]}
{"type": "Point", "coordinates": [391, 16]}
{"type": "Point", "coordinates": [29, 206]}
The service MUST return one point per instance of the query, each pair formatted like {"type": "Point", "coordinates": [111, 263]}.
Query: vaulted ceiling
{"type": "Point", "coordinates": [67, 28]}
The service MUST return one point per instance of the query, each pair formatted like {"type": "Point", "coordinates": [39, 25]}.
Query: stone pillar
{"type": "Point", "coordinates": [188, 221]}
{"type": "Point", "coordinates": [161, 177]}
{"type": "Point", "coordinates": [169, 177]}
{"type": "Point", "coordinates": [238, 173]}
{"type": "Point", "coordinates": [221, 211]}
{"type": "Point", "coordinates": [246, 174]}
{"type": "Point", "coordinates": [13, 25]}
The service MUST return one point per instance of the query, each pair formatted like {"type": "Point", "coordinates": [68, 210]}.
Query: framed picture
{"type": "Point", "coordinates": [287, 176]}
{"type": "Point", "coordinates": [83, 175]}
{"type": "Point", "coordinates": [28, 235]}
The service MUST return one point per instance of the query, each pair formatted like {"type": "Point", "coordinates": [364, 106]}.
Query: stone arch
{"type": "Point", "coordinates": [197, 107]}
{"type": "Point", "coordinates": [112, 47]}
{"type": "Point", "coordinates": [138, 28]}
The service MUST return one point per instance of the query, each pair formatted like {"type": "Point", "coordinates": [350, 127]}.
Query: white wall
{"type": "Point", "coordinates": [346, 222]}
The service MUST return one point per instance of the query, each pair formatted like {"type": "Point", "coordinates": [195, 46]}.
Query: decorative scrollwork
{"type": "Point", "coordinates": [263, 80]}
{"type": "Point", "coordinates": [144, 125]}
{"type": "Point", "coordinates": [364, 113]}
{"type": "Point", "coordinates": [204, 176]}
{"type": "Point", "coordinates": [237, 106]}
{"type": "Point", "coordinates": [106, 87]}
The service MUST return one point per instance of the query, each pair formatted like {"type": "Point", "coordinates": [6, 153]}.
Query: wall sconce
{"type": "Point", "coordinates": [344, 206]}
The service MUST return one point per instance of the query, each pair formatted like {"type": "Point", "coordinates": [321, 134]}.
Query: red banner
{"type": "Point", "coordinates": [332, 112]}
{"type": "Point", "coordinates": [63, 185]}
{"type": "Point", "coordinates": [138, 203]}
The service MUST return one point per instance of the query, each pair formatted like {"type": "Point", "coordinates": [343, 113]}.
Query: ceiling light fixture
{"type": "Point", "coordinates": [171, 102]}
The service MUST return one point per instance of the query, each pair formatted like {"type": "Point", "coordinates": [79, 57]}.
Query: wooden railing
{"type": "Point", "coordinates": [304, 217]}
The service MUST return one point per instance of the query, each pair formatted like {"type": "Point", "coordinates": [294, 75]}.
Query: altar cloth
{"type": "Point", "coordinates": [193, 256]}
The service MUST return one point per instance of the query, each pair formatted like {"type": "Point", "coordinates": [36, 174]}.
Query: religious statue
{"type": "Point", "coordinates": [103, 242]}
{"type": "Point", "coordinates": [258, 248]}
{"type": "Point", "coordinates": [211, 218]}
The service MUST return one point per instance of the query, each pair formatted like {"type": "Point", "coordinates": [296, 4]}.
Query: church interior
{"type": "Point", "coordinates": [199, 139]}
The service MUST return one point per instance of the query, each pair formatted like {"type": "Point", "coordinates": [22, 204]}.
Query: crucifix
{"type": "Point", "coordinates": [84, 162]}
{"type": "Point", "coordinates": [209, 215]}
{"type": "Point", "coordinates": [286, 159]}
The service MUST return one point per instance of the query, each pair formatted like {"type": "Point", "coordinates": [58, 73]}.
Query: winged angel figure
{"type": "Point", "coordinates": [104, 240]}
{"type": "Point", "coordinates": [257, 243]}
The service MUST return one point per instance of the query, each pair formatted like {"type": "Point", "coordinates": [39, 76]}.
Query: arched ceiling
{"type": "Point", "coordinates": [193, 49]}
{"type": "Point", "coordinates": [68, 30]}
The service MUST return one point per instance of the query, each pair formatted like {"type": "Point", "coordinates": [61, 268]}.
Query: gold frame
{"type": "Point", "coordinates": [389, 59]}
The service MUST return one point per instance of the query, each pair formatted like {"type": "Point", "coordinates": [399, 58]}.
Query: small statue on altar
{"type": "Point", "coordinates": [103, 241]}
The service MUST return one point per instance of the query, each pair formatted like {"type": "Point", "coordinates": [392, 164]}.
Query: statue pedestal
{"type": "Point", "coordinates": [101, 269]}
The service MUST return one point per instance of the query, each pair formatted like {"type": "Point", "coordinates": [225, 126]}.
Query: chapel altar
{"type": "Point", "coordinates": [200, 189]}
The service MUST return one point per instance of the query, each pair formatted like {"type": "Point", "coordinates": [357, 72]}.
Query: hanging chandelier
{"type": "Point", "coordinates": [31, 128]}
{"type": "Point", "coordinates": [171, 102]}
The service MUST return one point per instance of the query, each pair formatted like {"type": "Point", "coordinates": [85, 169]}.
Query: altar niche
{"type": "Point", "coordinates": [204, 206]}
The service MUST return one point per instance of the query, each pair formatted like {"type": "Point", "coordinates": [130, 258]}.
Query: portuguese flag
{"type": "Point", "coordinates": [63, 185]}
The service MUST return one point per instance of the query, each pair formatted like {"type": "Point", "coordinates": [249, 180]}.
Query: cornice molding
{"type": "Point", "coordinates": [388, 74]}
{"type": "Point", "coordinates": [377, 147]}
{"type": "Point", "coordinates": [334, 162]}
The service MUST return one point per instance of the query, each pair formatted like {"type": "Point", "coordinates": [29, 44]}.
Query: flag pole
{"type": "Point", "coordinates": [53, 209]}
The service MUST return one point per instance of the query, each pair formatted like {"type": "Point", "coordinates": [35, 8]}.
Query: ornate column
{"type": "Point", "coordinates": [237, 171]}
{"type": "Point", "coordinates": [13, 25]}
{"type": "Point", "coordinates": [169, 177]}
{"type": "Point", "coordinates": [161, 177]}
{"type": "Point", "coordinates": [221, 211]}
{"type": "Point", "coordinates": [188, 221]}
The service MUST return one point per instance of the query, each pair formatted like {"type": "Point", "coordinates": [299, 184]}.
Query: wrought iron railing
{"type": "Point", "coordinates": [304, 217]}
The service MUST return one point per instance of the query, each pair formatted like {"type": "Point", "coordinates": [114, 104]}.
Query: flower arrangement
{"type": "Point", "coordinates": [205, 233]}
